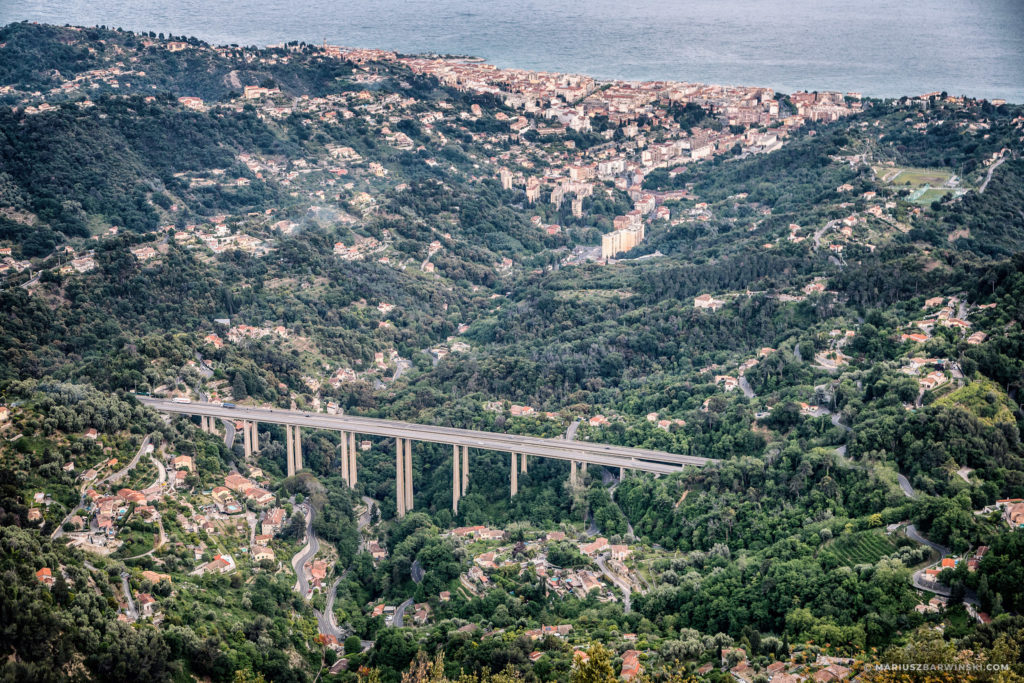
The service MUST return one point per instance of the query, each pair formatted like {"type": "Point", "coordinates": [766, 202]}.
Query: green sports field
{"type": "Point", "coordinates": [911, 177]}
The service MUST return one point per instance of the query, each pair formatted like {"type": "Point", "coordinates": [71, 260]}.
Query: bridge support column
{"type": "Point", "coordinates": [290, 448]}
{"type": "Point", "coordinates": [408, 476]}
{"type": "Point", "coordinates": [352, 470]}
{"type": "Point", "coordinates": [622, 473]}
{"type": "Point", "coordinates": [465, 470]}
{"type": "Point", "coordinates": [515, 475]}
{"type": "Point", "coordinates": [400, 477]}
{"type": "Point", "coordinates": [247, 439]}
{"type": "Point", "coordinates": [572, 473]}
{"type": "Point", "coordinates": [344, 458]}
{"type": "Point", "coordinates": [297, 431]}
{"type": "Point", "coordinates": [255, 436]}
{"type": "Point", "coordinates": [455, 479]}
{"type": "Point", "coordinates": [522, 462]}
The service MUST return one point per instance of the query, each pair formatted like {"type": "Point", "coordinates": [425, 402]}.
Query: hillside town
{"type": "Point", "coordinates": [377, 356]}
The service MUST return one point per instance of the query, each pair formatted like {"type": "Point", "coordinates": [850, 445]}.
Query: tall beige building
{"type": "Point", "coordinates": [621, 240]}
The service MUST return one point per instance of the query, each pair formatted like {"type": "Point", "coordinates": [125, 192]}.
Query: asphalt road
{"type": "Point", "coordinates": [921, 583]}
{"type": "Point", "coordinates": [622, 586]}
{"type": "Point", "coordinates": [988, 176]}
{"type": "Point", "coordinates": [908, 490]}
{"type": "Point", "coordinates": [821, 231]}
{"type": "Point", "coordinates": [304, 555]}
{"type": "Point", "coordinates": [364, 519]}
{"type": "Point", "coordinates": [918, 578]}
{"type": "Point", "coordinates": [325, 619]}
{"type": "Point", "coordinates": [398, 621]}
{"type": "Point", "coordinates": [595, 453]}
{"type": "Point", "coordinates": [131, 612]}
{"type": "Point", "coordinates": [401, 366]}
{"type": "Point", "coordinates": [203, 369]}
{"type": "Point", "coordinates": [120, 474]}
{"type": "Point", "coordinates": [914, 535]}
{"type": "Point", "coordinates": [835, 421]}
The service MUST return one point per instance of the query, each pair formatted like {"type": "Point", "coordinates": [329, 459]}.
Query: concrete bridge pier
{"type": "Point", "coordinates": [344, 459]}
{"type": "Point", "coordinates": [515, 475]}
{"type": "Point", "coordinates": [293, 439]}
{"type": "Point", "coordinates": [254, 427]}
{"type": "Point", "coordinates": [455, 479]}
{"type": "Point", "coordinates": [352, 469]}
{"type": "Point", "coordinates": [290, 450]}
{"type": "Point", "coordinates": [400, 476]}
{"type": "Point", "coordinates": [522, 462]}
{"type": "Point", "coordinates": [465, 470]}
{"type": "Point", "coordinates": [247, 439]}
{"type": "Point", "coordinates": [408, 476]}
{"type": "Point", "coordinates": [572, 474]}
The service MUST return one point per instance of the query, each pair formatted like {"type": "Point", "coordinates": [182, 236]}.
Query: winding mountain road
{"type": "Point", "coordinates": [398, 621]}
{"type": "Point", "coordinates": [988, 176]}
{"type": "Point", "coordinates": [918, 578]}
{"type": "Point", "coordinates": [307, 553]}
{"type": "Point", "coordinates": [325, 619]}
{"type": "Point", "coordinates": [908, 490]}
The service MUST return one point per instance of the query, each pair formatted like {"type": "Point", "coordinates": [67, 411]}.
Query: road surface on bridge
{"type": "Point", "coordinates": [560, 449]}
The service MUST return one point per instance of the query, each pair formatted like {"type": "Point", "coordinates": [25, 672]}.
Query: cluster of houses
{"type": "Point", "coordinates": [237, 485]}
{"type": "Point", "coordinates": [945, 316]}
{"type": "Point", "coordinates": [931, 372]}
{"type": "Point", "coordinates": [516, 410]}
{"type": "Point", "coordinates": [824, 669]}
{"type": "Point", "coordinates": [271, 523]}
{"type": "Point", "coordinates": [560, 581]}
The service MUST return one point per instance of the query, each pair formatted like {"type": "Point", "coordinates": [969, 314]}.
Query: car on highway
{"type": "Point", "coordinates": [180, 399]}
{"type": "Point", "coordinates": [228, 405]}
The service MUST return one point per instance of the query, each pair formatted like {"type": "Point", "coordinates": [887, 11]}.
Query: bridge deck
{"type": "Point", "coordinates": [560, 449]}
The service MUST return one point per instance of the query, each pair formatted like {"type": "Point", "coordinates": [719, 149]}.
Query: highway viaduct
{"type": "Point", "coordinates": [461, 440]}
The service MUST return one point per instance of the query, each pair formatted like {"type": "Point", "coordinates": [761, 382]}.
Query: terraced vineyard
{"type": "Point", "coordinates": [862, 547]}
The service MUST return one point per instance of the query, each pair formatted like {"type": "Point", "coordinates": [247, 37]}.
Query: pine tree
{"type": "Point", "coordinates": [597, 668]}
{"type": "Point", "coordinates": [238, 390]}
